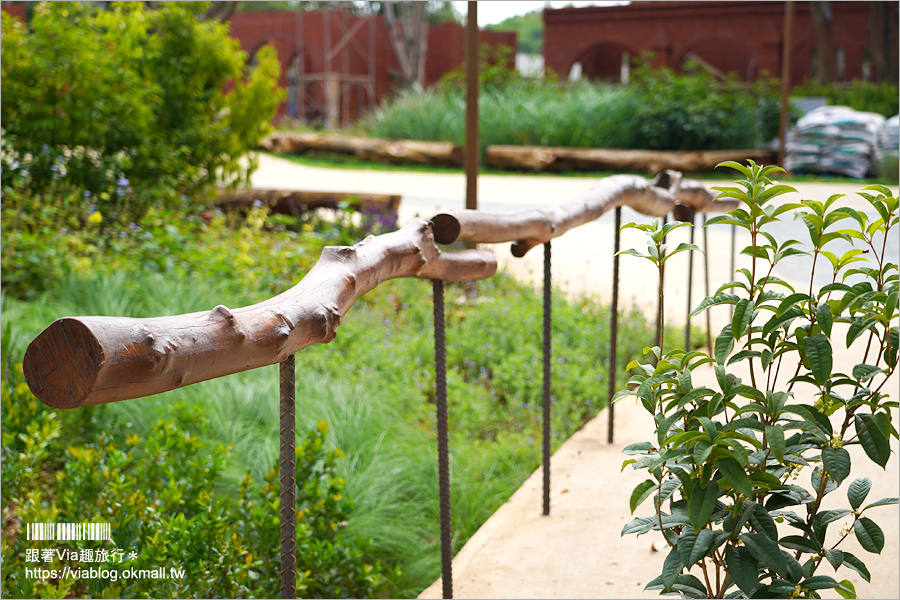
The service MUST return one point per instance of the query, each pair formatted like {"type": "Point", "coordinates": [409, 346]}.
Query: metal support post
{"type": "Point", "coordinates": [440, 382]}
{"type": "Point", "coordinates": [545, 420]}
{"type": "Point", "coordinates": [288, 480]}
{"type": "Point", "coordinates": [706, 283]}
{"type": "Point", "coordinates": [690, 287]}
{"type": "Point", "coordinates": [614, 329]}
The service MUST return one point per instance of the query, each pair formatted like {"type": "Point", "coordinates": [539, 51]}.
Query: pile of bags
{"type": "Point", "coordinates": [836, 140]}
{"type": "Point", "coordinates": [889, 137]}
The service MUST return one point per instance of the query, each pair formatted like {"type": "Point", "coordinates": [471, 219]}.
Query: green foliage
{"type": "Point", "coordinates": [660, 110]}
{"type": "Point", "coordinates": [129, 105]}
{"type": "Point", "coordinates": [529, 30]}
{"type": "Point", "coordinates": [159, 492]}
{"type": "Point", "coordinates": [696, 111]}
{"type": "Point", "coordinates": [372, 385]}
{"type": "Point", "coordinates": [724, 462]}
{"type": "Point", "coordinates": [881, 98]}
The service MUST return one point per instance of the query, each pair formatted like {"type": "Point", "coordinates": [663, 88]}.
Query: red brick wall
{"type": "Point", "coordinates": [743, 37]}
{"type": "Point", "coordinates": [288, 30]}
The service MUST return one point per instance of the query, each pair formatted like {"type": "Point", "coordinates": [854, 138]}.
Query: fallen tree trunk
{"type": "Point", "coordinates": [289, 202]}
{"type": "Point", "coordinates": [538, 158]}
{"type": "Point", "coordinates": [81, 361]}
{"type": "Point", "coordinates": [373, 149]}
{"type": "Point", "coordinates": [530, 228]}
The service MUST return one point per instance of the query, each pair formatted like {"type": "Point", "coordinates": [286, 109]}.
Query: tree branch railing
{"type": "Point", "coordinates": [84, 361]}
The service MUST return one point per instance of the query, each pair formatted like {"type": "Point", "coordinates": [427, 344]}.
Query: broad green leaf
{"type": "Point", "coordinates": [819, 582]}
{"type": "Point", "coordinates": [858, 327]}
{"type": "Point", "coordinates": [818, 354]}
{"type": "Point", "coordinates": [690, 586]}
{"type": "Point", "coordinates": [743, 314]}
{"type": "Point", "coordinates": [873, 441]}
{"type": "Point", "coordinates": [762, 522]}
{"type": "Point", "coordinates": [693, 546]}
{"type": "Point", "coordinates": [798, 542]}
{"type": "Point", "coordinates": [882, 502]}
{"type": "Point", "coordinates": [816, 480]}
{"type": "Point", "coordinates": [836, 462]}
{"type": "Point", "coordinates": [766, 551]}
{"type": "Point", "coordinates": [724, 345]}
{"type": "Point", "coordinates": [864, 372]}
{"type": "Point", "coordinates": [869, 535]}
{"type": "Point", "coordinates": [858, 490]}
{"type": "Point", "coordinates": [641, 492]}
{"type": "Point", "coordinates": [638, 525]}
{"type": "Point", "coordinates": [835, 557]}
{"type": "Point", "coordinates": [671, 569]}
{"type": "Point", "coordinates": [846, 590]}
{"type": "Point", "coordinates": [638, 448]}
{"type": "Point", "coordinates": [735, 475]}
{"type": "Point", "coordinates": [742, 568]}
{"type": "Point", "coordinates": [775, 439]}
{"type": "Point", "coordinates": [850, 560]}
{"type": "Point", "coordinates": [823, 316]}
{"type": "Point", "coordinates": [703, 502]}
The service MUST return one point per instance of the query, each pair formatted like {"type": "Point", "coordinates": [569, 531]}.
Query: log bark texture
{"type": "Point", "coordinates": [288, 202]}
{"type": "Point", "coordinates": [666, 193]}
{"type": "Point", "coordinates": [527, 229]}
{"type": "Point", "coordinates": [538, 158]}
{"type": "Point", "coordinates": [373, 149]}
{"type": "Point", "coordinates": [81, 361]}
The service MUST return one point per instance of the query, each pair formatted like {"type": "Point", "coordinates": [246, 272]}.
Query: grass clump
{"type": "Point", "coordinates": [367, 463]}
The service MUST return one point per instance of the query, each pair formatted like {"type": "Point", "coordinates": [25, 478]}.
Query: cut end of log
{"type": "Point", "coordinates": [62, 363]}
{"type": "Point", "coordinates": [521, 247]}
{"type": "Point", "coordinates": [445, 227]}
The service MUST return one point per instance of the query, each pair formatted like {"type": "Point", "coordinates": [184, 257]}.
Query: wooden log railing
{"type": "Point", "coordinates": [83, 361]}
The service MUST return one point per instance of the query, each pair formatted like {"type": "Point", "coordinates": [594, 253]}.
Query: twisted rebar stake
{"type": "Point", "coordinates": [440, 384]}
{"type": "Point", "coordinates": [706, 283]}
{"type": "Point", "coordinates": [659, 299]}
{"type": "Point", "coordinates": [690, 288]}
{"type": "Point", "coordinates": [614, 329]}
{"type": "Point", "coordinates": [288, 480]}
{"type": "Point", "coordinates": [733, 253]}
{"type": "Point", "coordinates": [548, 320]}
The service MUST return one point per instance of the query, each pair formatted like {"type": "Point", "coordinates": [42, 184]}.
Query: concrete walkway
{"type": "Point", "coordinates": [577, 551]}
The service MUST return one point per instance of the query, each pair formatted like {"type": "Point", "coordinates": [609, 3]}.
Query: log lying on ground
{"type": "Point", "coordinates": [373, 149]}
{"type": "Point", "coordinates": [548, 158]}
{"type": "Point", "coordinates": [530, 228]}
{"type": "Point", "coordinates": [288, 202]}
{"type": "Point", "coordinates": [696, 196]}
{"type": "Point", "coordinates": [81, 361]}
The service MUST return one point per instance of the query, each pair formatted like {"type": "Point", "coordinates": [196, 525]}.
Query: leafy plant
{"type": "Point", "coordinates": [132, 106]}
{"type": "Point", "coordinates": [724, 463]}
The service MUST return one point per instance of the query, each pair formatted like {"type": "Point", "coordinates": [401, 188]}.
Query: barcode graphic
{"type": "Point", "coordinates": [64, 532]}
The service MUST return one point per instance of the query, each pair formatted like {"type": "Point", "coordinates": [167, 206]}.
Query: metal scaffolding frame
{"type": "Point", "coordinates": [337, 84]}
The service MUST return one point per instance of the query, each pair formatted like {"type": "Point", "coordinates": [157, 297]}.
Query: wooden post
{"type": "Point", "coordinates": [471, 155]}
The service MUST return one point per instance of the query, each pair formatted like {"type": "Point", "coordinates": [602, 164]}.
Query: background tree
{"type": "Point", "coordinates": [529, 30]}
{"type": "Point", "coordinates": [884, 40]}
{"type": "Point", "coordinates": [823, 25]}
{"type": "Point", "coordinates": [407, 24]}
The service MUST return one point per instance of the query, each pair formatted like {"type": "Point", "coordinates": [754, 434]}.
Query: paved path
{"type": "Point", "coordinates": [577, 552]}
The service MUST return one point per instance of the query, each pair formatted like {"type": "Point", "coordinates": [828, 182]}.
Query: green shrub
{"type": "Point", "coordinates": [661, 110]}
{"type": "Point", "coordinates": [129, 105]}
{"type": "Point", "coordinates": [881, 98]}
{"type": "Point", "coordinates": [723, 464]}
{"type": "Point", "coordinates": [159, 492]}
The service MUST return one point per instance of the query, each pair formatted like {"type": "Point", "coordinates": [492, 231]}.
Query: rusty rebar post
{"type": "Point", "coordinates": [440, 384]}
{"type": "Point", "coordinates": [659, 300]}
{"type": "Point", "coordinates": [690, 288]}
{"type": "Point", "coordinates": [288, 480]}
{"type": "Point", "coordinates": [545, 419]}
{"type": "Point", "coordinates": [706, 283]}
{"type": "Point", "coordinates": [733, 255]}
{"type": "Point", "coordinates": [614, 329]}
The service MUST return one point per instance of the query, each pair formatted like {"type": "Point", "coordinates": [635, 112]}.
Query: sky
{"type": "Point", "coordinates": [494, 11]}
